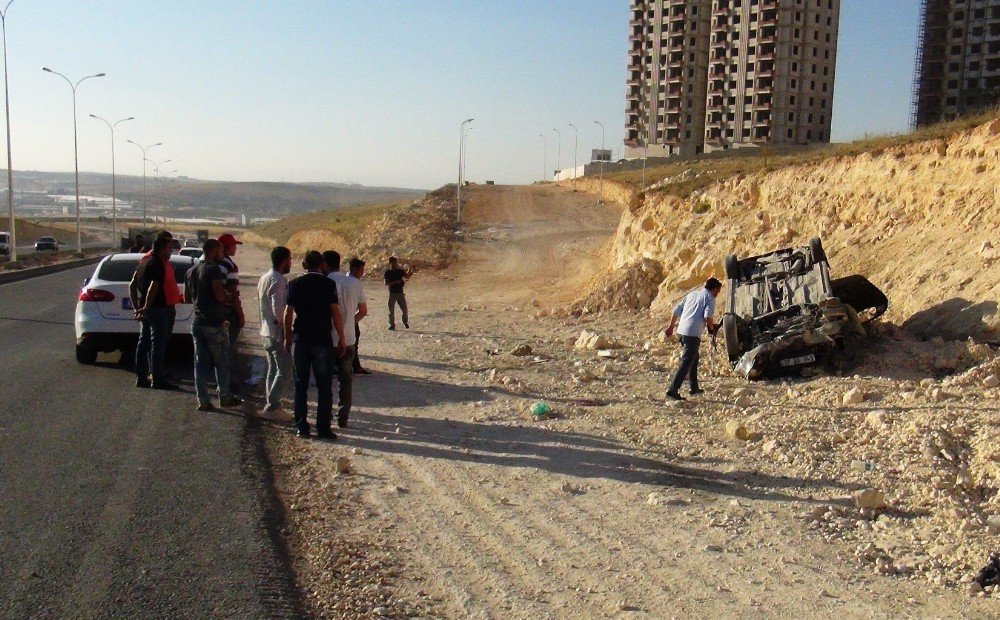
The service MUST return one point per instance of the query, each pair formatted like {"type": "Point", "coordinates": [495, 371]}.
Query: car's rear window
{"type": "Point", "coordinates": [122, 270]}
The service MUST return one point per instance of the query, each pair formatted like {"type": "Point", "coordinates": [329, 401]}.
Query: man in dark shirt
{"type": "Point", "coordinates": [155, 311]}
{"type": "Point", "coordinates": [395, 279]}
{"type": "Point", "coordinates": [311, 315]}
{"type": "Point", "coordinates": [206, 288]}
{"type": "Point", "coordinates": [234, 311]}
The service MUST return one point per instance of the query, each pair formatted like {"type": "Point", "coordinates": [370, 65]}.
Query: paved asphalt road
{"type": "Point", "coordinates": [121, 502]}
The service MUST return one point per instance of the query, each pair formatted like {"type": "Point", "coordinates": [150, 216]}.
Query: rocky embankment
{"type": "Point", "coordinates": [920, 221]}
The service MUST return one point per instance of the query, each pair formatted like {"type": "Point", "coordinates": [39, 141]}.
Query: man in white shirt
{"type": "Point", "coordinates": [694, 315]}
{"type": "Point", "coordinates": [353, 305]}
{"type": "Point", "coordinates": [272, 292]}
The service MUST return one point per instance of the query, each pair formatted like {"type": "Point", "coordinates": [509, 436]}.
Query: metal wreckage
{"type": "Point", "coordinates": [783, 311]}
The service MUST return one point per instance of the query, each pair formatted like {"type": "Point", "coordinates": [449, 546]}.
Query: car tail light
{"type": "Point", "coordinates": [96, 294]}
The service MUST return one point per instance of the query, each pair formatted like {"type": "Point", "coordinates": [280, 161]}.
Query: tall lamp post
{"type": "Point", "coordinates": [576, 140]}
{"type": "Point", "coordinates": [461, 154]}
{"type": "Point", "coordinates": [10, 171]}
{"type": "Point", "coordinates": [163, 195]}
{"type": "Point", "coordinates": [558, 150]}
{"type": "Point", "coordinates": [601, 164]}
{"type": "Point", "coordinates": [156, 170]}
{"type": "Point", "coordinates": [144, 160]}
{"type": "Point", "coordinates": [76, 151]}
{"type": "Point", "coordinates": [465, 151]}
{"type": "Point", "coordinates": [545, 156]}
{"type": "Point", "coordinates": [114, 202]}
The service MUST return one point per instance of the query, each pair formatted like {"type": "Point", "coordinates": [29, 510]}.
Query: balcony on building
{"type": "Point", "coordinates": [765, 52]}
{"type": "Point", "coordinates": [761, 134]}
{"type": "Point", "coordinates": [763, 85]}
{"type": "Point", "coordinates": [767, 34]}
{"type": "Point", "coordinates": [768, 18]}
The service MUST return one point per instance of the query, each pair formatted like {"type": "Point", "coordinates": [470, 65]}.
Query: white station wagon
{"type": "Point", "coordinates": [105, 319]}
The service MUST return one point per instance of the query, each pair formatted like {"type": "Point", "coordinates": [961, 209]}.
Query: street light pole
{"type": "Point", "coordinates": [156, 170]}
{"type": "Point", "coordinates": [144, 160]}
{"type": "Point", "coordinates": [465, 151]}
{"type": "Point", "coordinates": [558, 150]}
{"type": "Point", "coordinates": [76, 150]}
{"type": "Point", "coordinates": [163, 194]}
{"type": "Point", "coordinates": [545, 156]}
{"type": "Point", "coordinates": [601, 164]}
{"type": "Point", "coordinates": [10, 171]}
{"type": "Point", "coordinates": [114, 201]}
{"type": "Point", "coordinates": [576, 139]}
{"type": "Point", "coordinates": [461, 154]}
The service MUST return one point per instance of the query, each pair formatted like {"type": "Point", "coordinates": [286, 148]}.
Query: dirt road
{"type": "Point", "coordinates": [463, 506]}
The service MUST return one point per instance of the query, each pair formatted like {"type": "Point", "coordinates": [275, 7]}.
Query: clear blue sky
{"type": "Point", "coordinates": [366, 90]}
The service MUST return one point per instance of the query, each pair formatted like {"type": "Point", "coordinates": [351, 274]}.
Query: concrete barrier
{"type": "Point", "coordinates": [16, 275]}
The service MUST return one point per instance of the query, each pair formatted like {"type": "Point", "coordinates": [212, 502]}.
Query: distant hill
{"type": "Point", "coordinates": [187, 197]}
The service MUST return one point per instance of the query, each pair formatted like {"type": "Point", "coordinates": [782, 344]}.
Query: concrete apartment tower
{"type": "Point", "coordinates": [958, 59]}
{"type": "Point", "coordinates": [766, 69]}
{"type": "Point", "coordinates": [667, 75]}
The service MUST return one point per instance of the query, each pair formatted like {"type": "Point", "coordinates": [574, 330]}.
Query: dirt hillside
{"type": "Point", "coordinates": [920, 221]}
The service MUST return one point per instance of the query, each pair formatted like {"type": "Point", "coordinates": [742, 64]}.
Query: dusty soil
{"type": "Point", "coordinates": [462, 505]}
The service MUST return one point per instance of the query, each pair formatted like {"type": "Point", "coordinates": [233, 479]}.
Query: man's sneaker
{"type": "Point", "coordinates": [672, 395]}
{"type": "Point", "coordinates": [697, 391]}
{"type": "Point", "coordinates": [302, 432]}
{"type": "Point", "coordinates": [164, 385]}
{"type": "Point", "coordinates": [341, 422]}
{"type": "Point", "coordinates": [406, 325]}
{"type": "Point", "coordinates": [143, 383]}
{"type": "Point", "coordinates": [362, 371]}
{"type": "Point", "coordinates": [392, 328]}
{"type": "Point", "coordinates": [326, 434]}
{"type": "Point", "coordinates": [206, 407]}
{"type": "Point", "coordinates": [232, 401]}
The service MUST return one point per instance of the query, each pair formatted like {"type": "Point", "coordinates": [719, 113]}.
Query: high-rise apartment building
{"type": "Point", "coordinates": [958, 59]}
{"type": "Point", "coordinates": [764, 68]}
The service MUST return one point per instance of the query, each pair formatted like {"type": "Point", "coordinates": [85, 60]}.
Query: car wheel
{"type": "Point", "coordinates": [732, 267]}
{"type": "Point", "coordinates": [817, 251]}
{"type": "Point", "coordinates": [731, 335]}
{"type": "Point", "coordinates": [85, 354]}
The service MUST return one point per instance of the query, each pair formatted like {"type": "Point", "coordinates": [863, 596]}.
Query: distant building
{"type": "Point", "coordinates": [958, 59]}
{"type": "Point", "coordinates": [706, 75]}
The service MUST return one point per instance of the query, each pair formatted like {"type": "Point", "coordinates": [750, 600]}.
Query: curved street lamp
{"type": "Point", "coordinates": [545, 156]}
{"type": "Point", "coordinates": [76, 151]}
{"type": "Point", "coordinates": [576, 141]}
{"type": "Point", "coordinates": [114, 202]}
{"type": "Point", "coordinates": [144, 160]}
{"type": "Point", "coordinates": [156, 171]}
{"type": "Point", "coordinates": [461, 155]}
{"type": "Point", "coordinates": [558, 151]}
{"type": "Point", "coordinates": [10, 171]}
{"type": "Point", "coordinates": [601, 161]}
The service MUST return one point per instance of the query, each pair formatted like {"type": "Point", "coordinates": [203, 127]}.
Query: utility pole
{"type": "Point", "coordinates": [114, 202]}
{"type": "Point", "coordinates": [461, 153]}
{"type": "Point", "coordinates": [558, 151]}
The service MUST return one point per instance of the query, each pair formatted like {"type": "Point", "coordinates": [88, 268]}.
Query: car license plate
{"type": "Point", "coordinates": [126, 303]}
{"type": "Point", "coordinates": [798, 361]}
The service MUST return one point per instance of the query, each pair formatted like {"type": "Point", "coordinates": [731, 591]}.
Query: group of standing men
{"type": "Point", "coordinates": [310, 325]}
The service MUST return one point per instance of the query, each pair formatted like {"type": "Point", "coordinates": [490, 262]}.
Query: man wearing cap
{"type": "Point", "coordinates": [235, 314]}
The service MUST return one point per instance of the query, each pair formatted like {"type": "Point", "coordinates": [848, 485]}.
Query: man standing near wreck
{"type": "Point", "coordinates": [694, 314]}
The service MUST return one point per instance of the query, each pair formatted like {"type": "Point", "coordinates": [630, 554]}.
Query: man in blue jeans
{"type": "Point", "coordinates": [694, 315]}
{"type": "Point", "coordinates": [311, 315]}
{"type": "Point", "coordinates": [157, 296]}
{"type": "Point", "coordinates": [272, 291]}
{"type": "Point", "coordinates": [206, 288]}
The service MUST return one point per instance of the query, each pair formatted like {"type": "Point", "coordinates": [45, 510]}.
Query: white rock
{"type": "Point", "coordinates": [853, 396]}
{"type": "Point", "coordinates": [991, 381]}
{"type": "Point", "coordinates": [869, 498]}
{"type": "Point", "coordinates": [344, 465]}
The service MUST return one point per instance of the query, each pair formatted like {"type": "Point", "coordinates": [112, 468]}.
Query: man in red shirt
{"type": "Point", "coordinates": [155, 294]}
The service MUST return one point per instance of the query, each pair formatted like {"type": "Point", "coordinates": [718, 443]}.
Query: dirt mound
{"type": "Point", "coordinates": [919, 220]}
{"type": "Point", "coordinates": [421, 234]}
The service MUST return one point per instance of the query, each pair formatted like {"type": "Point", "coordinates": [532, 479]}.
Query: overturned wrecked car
{"type": "Point", "coordinates": [783, 312]}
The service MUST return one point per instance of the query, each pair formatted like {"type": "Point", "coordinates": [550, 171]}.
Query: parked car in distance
{"type": "Point", "coordinates": [192, 242]}
{"type": "Point", "coordinates": [194, 253]}
{"type": "Point", "coordinates": [4, 245]}
{"type": "Point", "coordinates": [105, 319]}
{"type": "Point", "coordinates": [784, 312]}
{"type": "Point", "coordinates": [46, 244]}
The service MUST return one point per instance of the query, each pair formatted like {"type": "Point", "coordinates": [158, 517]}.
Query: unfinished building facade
{"type": "Point", "coordinates": [958, 59]}
{"type": "Point", "coordinates": [667, 75]}
{"type": "Point", "coordinates": [765, 71]}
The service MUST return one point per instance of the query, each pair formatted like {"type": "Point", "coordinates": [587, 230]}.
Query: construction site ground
{"type": "Point", "coordinates": [460, 504]}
